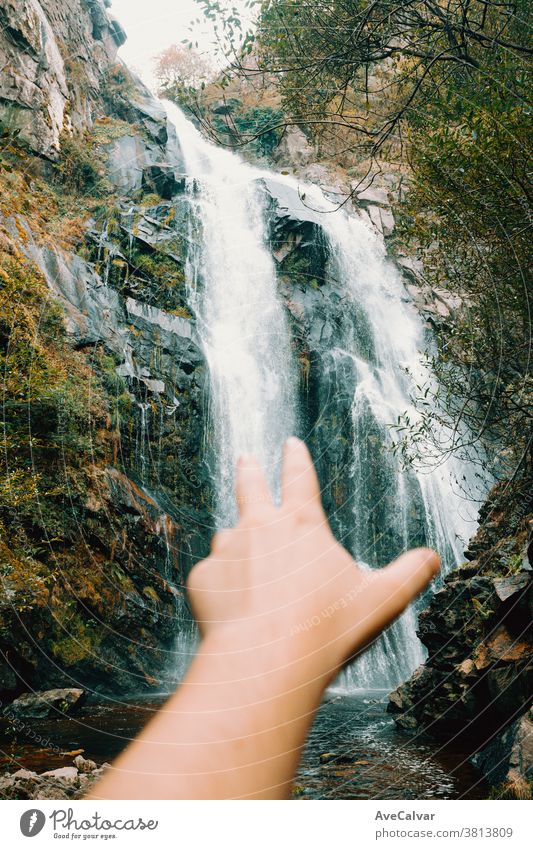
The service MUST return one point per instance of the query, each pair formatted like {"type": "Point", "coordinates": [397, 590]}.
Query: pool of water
{"type": "Point", "coordinates": [353, 751]}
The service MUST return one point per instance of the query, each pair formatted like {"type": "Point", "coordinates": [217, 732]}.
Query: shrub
{"type": "Point", "coordinates": [79, 169]}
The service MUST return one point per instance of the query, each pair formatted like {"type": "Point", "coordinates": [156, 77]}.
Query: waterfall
{"type": "Point", "coordinates": [394, 508]}
{"type": "Point", "coordinates": [253, 401]}
{"type": "Point", "coordinates": [240, 317]}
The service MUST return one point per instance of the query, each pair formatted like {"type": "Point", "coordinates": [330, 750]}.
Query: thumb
{"type": "Point", "coordinates": [402, 580]}
{"type": "Point", "coordinates": [385, 593]}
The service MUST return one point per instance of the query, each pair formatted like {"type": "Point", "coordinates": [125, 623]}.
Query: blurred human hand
{"type": "Point", "coordinates": [280, 572]}
{"type": "Point", "coordinates": [281, 606]}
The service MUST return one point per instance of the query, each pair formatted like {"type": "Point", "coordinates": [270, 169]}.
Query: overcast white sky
{"type": "Point", "coordinates": [153, 25]}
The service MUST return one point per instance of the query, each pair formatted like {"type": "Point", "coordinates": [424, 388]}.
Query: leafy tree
{"type": "Point", "coordinates": [179, 69]}
{"type": "Point", "coordinates": [469, 215]}
{"type": "Point", "coordinates": [322, 52]}
{"type": "Point", "coordinates": [254, 128]}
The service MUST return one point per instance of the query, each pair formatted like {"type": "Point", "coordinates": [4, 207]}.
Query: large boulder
{"type": "Point", "coordinates": [288, 204]}
{"type": "Point", "coordinates": [50, 703]}
{"type": "Point", "coordinates": [507, 761]}
{"type": "Point", "coordinates": [163, 180]}
{"type": "Point", "coordinates": [294, 150]}
{"type": "Point", "coordinates": [66, 773]}
{"type": "Point", "coordinates": [8, 679]}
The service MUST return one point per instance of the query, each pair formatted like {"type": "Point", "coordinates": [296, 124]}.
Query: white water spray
{"type": "Point", "coordinates": [241, 321]}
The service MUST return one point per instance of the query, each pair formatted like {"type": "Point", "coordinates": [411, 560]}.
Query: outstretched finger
{"type": "Point", "coordinates": [300, 488]}
{"type": "Point", "coordinates": [383, 594]}
{"type": "Point", "coordinates": [403, 580]}
{"type": "Point", "coordinates": [251, 487]}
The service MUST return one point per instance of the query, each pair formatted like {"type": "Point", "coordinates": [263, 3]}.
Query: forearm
{"type": "Point", "coordinates": [234, 728]}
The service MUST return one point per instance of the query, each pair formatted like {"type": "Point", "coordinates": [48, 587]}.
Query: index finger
{"type": "Point", "coordinates": [300, 489]}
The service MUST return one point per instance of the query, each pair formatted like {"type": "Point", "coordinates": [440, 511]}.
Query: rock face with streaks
{"type": "Point", "coordinates": [104, 611]}
{"type": "Point", "coordinates": [478, 679]}
{"type": "Point", "coordinates": [54, 57]}
{"type": "Point", "coordinates": [107, 617]}
{"type": "Point", "coordinates": [52, 702]}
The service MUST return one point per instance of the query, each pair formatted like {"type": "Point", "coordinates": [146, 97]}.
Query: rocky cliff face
{"type": "Point", "coordinates": [108, 369]}
{"type": "Point", "coordinates": [477, 681]}
{"type": "Point", "coordinates": [54, 57]}
{"type": "Point", "coordinates": [109, 494]}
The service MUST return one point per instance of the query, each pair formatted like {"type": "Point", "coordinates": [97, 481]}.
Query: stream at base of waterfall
{"type": "Point", "coordinates": [353, 751]}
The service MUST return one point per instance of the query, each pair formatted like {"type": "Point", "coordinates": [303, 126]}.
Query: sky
{"type": "Point", "coordinates": [153, 25]}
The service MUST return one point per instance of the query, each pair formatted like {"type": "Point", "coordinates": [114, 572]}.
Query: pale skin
{"type": "Point", "coordinates": [281, 607]}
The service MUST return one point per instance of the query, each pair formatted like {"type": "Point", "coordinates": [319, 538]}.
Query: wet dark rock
{"type": "Point", "coordinates": [151, 143]}
{"type": "Point", "coordinates": [335, 759]}
{"type": "Point", "coordinates": [225, 107]}
{"type": "Point", "coordinates": [477, 629]}
{"type": "Point", "coordinates": [176, 335]}
{"type": "Point", "coordinates": [162, 180]}
{"type": "Point", "coordinates": [51, 703]}
{"type": "Point", "coordinates": [9, 681]}
{"type": "Point", "coordinates": [150, 113]}
{"type": "Point", "coordinates": [507, 760]}
{"type": "Point", "coordinates": [118, 34]}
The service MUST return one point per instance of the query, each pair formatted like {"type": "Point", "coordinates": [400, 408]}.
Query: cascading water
{"type": "Point", "coordinates": [241, 321]}
{"type": "Point", "coordinates": [253, 389]}
{"type": "Point", "coordinates": [395, 508]}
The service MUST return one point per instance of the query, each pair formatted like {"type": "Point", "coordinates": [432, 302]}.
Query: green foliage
{"type": "Point", "coordinates": [469, 214]}
{"type": "Point", "coordinates": [323, 54]}
{"type": "Point", "coordinates": [12, 148]}
{"type": "Point", "coordinates": [75, 641]}
{"type": "Point", "coordinates": [514, 564]}
{"type": "Point", "coordinates": [115, 389]}
{"type": "Point", "coordinates": [54, 406]}
{"type": "Point", "coordinates": [106, 130]}
{"type": "Point", "coordinates": [258, 129]}
{"type": "Point", "coordinates": [152, 276]}
{"type": "Point", "coordinates": [116, 91]}
{"type": "Point", "coordinates": [80, 168]}
{"type": "Point", "coordinates": [299, 268]}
